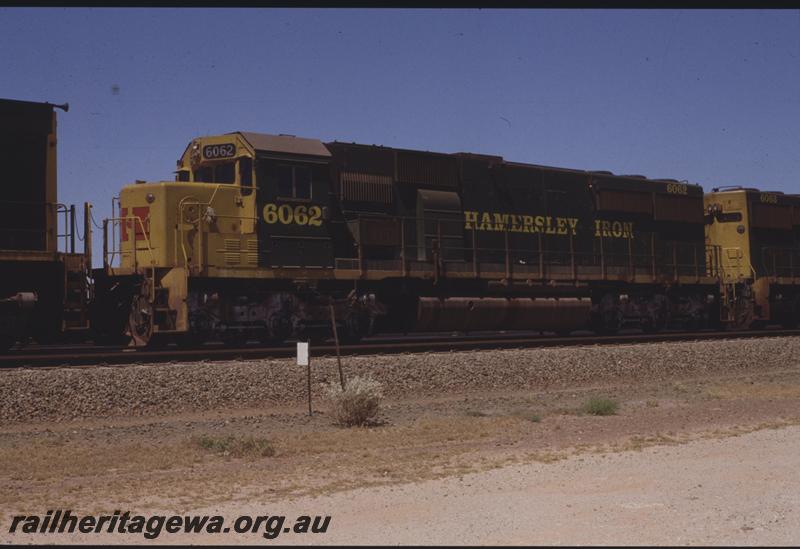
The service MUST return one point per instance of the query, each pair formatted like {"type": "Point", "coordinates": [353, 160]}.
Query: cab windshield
{"type": "Point", "coordinates": [224, 172]}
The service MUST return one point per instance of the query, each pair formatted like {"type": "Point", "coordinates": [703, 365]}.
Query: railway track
{"type": "Point", "coordinates": [88, 355]}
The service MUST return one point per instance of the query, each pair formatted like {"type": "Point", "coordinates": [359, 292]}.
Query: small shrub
{"type": "Point", "coordinates": [535, 418]}
{"type": "Point", "coordinates": [358, 403]}
{"type": "Point", "coordinates": [600, 406]}
{"type": "Point", "coordinates": [237, 447]}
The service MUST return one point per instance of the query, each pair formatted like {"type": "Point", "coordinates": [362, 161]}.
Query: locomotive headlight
{"type": "Point", "coordinates": [150, 198]}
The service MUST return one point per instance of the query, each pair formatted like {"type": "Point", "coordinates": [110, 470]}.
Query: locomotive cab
{"type": "Point", "coordinates": [238, 202]}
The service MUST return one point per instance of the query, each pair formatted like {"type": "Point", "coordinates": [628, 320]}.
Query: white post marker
{"type": "Point", "coordinates": [302, 353]}
{"type": "Point", "coordinates": [303, 359]}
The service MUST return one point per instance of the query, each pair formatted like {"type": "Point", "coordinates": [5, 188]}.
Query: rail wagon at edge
{"type": "Point", "coordinates": [44, 288]}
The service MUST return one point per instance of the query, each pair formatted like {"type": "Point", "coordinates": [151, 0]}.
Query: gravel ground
{"type": "Point", "coordinates": [64, 394]}
{"type": "Point", "coordinates": [735, 491]}
{"type": "Point", "coordinates": [738, 491]}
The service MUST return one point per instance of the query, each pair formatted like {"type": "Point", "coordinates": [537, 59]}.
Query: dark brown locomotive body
{"type": "Point", "coordinates": [486, 227]}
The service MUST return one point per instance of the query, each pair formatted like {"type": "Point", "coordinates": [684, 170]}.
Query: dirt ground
{"type": "Point", "coordinates": [509, 467]}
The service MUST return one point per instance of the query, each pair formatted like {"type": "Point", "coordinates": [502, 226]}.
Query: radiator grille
{"type": "Point", "coordinates": [231, 251]}
{"type": "Point", "coordinates": [364, 187]}
{"type": "Point", "coordinates": [251, 257]}
{"type": "Point", "coordinates": [427, 169]}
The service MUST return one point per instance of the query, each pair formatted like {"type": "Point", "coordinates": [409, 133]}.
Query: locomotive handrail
{"type": "Point", "coordinates": [54, 209]}
{"type": "Point", "coordinates": [790, 252]}
{"type": "Point", "coordinates": [438, 250]}
{"type": "Point", "coordinates": [69, 226]}
{"type": "Point", "coordinates": [134, 248]}
{"type": "Point", "coordinates": [188, 201]}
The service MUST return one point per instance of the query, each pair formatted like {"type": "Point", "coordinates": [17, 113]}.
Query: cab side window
{"type": "Point", "coordinates": [285, 175]}
{"type": "Point", "coordinates": [302, 182]}
{"type": "Point", "coordinates": [293, 181]}
{"type": "Point", "coordinates": [225, 173]}
{"type": "Point", "coordinates": [246, 175]}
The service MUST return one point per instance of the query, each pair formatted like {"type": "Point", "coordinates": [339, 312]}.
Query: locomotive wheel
{"type": "Point", "coordinates": [278, 331]}
{"type": "Point", "coordinates": [652, 326]}
{"type": "Point", "coordinates": [792, 317]}
{"type": "Point", "coordinates": [695, 322]}
{"type": "Point", "coordinates": [140, 321]}
{"type": "Point", "coordinates": [658, 315]}
{"type": "Point", "coordinates": [108, 317]}
{"type": "Point", "coordinates": [608, 322]}
{"type": "Point", "coordinates": [743, 317]}
{"type": "Point", "coordinates": [355, 328]}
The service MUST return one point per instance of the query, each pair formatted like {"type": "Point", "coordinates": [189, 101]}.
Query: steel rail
{"type": "Point", "coordinates": [103, 356]}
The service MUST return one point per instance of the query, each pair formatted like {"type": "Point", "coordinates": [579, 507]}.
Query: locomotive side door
{"type": "Point", "coordinates": [293, 201]}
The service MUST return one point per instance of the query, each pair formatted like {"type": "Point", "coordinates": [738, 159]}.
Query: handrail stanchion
{"type": "Point", "coordinates": [474, 251]}
{"type": "Point", "coordinates": [72, 229]}
{"type": "Point", "coordinates": [105, 244]}
{"type": "Point", "coordinates": [404, 266]}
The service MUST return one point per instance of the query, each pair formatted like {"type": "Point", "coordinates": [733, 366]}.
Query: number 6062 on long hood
{"type": "Point", "coordinates": [287, 214]}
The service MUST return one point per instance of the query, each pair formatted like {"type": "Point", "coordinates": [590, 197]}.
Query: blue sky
{"type": "Point", "coordinates": [710, 96]}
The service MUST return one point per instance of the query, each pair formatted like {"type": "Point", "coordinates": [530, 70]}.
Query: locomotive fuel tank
{"type": "Point", "coordinates": [472, 314]}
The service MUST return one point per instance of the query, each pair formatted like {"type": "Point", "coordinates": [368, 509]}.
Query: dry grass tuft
{"type": "Point", "coordinates": [600, 406]}
{"type": "Point", "coordinates": [358, 403]}
{"type": "Point", "coordinates": [236, 447]}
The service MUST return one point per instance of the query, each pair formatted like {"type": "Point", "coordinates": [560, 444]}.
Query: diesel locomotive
{"type": "Point", "coordinates": [259, 235]}
{"type": "Point", "coordinates": [757, 237]}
